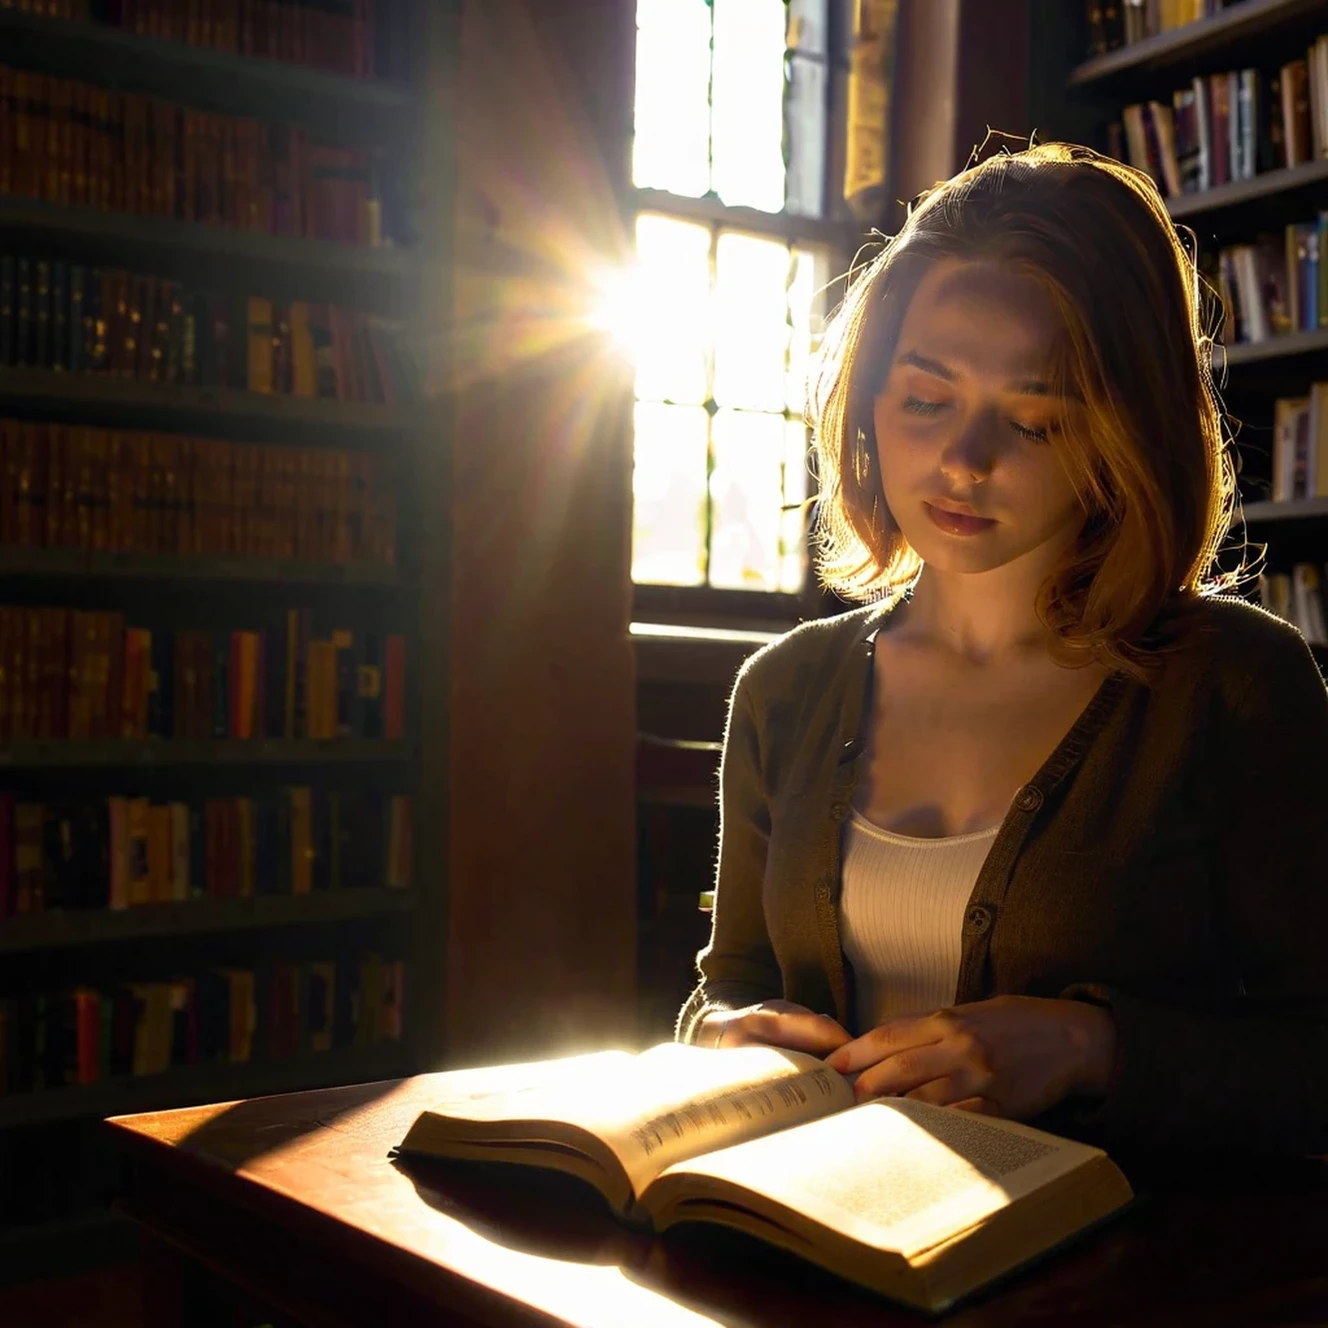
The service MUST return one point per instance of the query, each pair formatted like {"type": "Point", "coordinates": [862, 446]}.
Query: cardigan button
{"type": "Point", "coordinates": [1029, 798]}
{"type": "Point", "coordinates": [823, 893]}
{"type": "Point", "coordinates": [838, 811]}
{"type": "Point", "coordinates": [978, 920]}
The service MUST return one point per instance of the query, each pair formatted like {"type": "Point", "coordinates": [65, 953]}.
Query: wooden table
{"type": "Point", "coordinates": [294, 1199]}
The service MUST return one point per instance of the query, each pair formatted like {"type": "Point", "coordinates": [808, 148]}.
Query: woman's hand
{"type": "Point", "coordinates": [1011, 1056]}
{"type": "Point", "coordinates": [772, 1024]}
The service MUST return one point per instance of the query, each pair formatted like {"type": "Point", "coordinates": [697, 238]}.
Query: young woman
{"type": "Point", "coordinates": [1041, 828]}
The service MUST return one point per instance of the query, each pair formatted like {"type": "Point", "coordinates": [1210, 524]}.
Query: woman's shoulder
{"type": "Point", "coordinates": [1235, 642]}
{"type": "Point", "coordinates": [812, 652]}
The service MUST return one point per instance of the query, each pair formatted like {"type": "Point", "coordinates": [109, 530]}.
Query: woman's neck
{"type": "Point", "coordinates": [979, 617]}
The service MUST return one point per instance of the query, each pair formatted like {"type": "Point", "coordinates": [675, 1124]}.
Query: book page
{"type": "Point", "coordinates": [671, 1102]}
{"type": "Point", "coordinates": [892, 1173]}
{"type": "Point", "coordinates": [456, 1091]}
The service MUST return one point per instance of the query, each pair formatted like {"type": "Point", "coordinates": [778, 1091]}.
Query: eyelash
{"type": "Point", "coordinates": [916, 406]}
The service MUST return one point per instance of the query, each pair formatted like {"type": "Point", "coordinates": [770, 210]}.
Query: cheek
{"type": "Point", "coordinates": [1054, 486]}
{"type": "Point", "coordinates": [902, 446]}
{"type": "Point", "coordinates": [1036, 476]}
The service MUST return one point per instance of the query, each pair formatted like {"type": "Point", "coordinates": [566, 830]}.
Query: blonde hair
{"type": "Point", "coordinates": [1152, 464]}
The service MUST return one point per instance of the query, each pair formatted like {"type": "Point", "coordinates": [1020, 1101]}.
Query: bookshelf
{"type": "Point", "coordinates": [203, 1083]}
{"type": "Point", "coordinates": [1196, 46]}
{"type": "Point", "coordinates": [73, 927]}
{"type": "Point", "coordinates": [64, 753]}
{"type": "Point", "coordinates": [216, 255]}
{"type": "Point", "coordinates": [217, 80]}
{"type": "Point", "coordinates": [1285, 347]}
{"type": "Point", "coordinates": [54, 565]}
{"type": "Point", "coordinates": [1295, 509]}
{"type": "Point", "coordinates": [178, 408]}
{"type": "Point", "coordinates": [296, 943]}
{"type": "Point", "coordinates": [1236, 215]}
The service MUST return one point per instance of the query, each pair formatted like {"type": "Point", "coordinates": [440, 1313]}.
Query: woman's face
{"type": "Point", "coordinates": [965, 422]}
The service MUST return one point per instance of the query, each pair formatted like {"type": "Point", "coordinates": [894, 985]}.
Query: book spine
{"type": "Point", "coordinates": [1321, 299]}
{"type": "Point", "coordinates": [394, 699]}
{"type": "Point", "coordinates": [8, 281]}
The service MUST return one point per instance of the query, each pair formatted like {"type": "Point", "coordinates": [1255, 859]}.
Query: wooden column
{"type": "Point", "coordinates": [961, 66]}
{"type": "Point", "coordinates": [541, 925]}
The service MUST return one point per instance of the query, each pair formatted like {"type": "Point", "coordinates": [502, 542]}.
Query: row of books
{"type": "Point", "coordinates": [1115, 23]}
{"type": "Point", "coordinates": [73, 143]}
{"type": "Point", "coordinates": [358, 38]}
{"type": "Point", "coordinates": [123, 852]}
{"type": "Point", "coordinates": [1275, 285]}
{"type": "Point", "coordinates": [69, 674]}
{"type": "Point", "coordinates": [58, 315]}
{"type": "Point", "coordinates": [1229, 126]}
{"type": "Point", "coordinates": [1298, 598]}
{"type": "Point", "coordinates": [1300, 445]}
{"type": "Point", "coordinates": [76, 487]}
{"type": "Point", "coordinates": [231, 1016]}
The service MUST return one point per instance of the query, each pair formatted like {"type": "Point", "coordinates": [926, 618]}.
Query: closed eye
{"type": "Point", "coordinates": [1036, 435]}
{"type": "Point", "coordinates": [916, 406]}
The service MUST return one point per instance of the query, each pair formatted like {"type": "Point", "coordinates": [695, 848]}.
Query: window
{"type": "Point", "coordinates": [737, 239]}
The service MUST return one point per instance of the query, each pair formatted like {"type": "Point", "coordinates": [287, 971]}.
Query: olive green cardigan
{"type": "Point", "coordinates": [1169, 860]}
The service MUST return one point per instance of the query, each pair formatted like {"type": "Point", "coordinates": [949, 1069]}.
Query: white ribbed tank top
{"type": "Point", "coordinates": [901, 915]}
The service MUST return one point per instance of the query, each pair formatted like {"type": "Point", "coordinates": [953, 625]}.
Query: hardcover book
{"type": "Point", "coordinates": [920, 1203]}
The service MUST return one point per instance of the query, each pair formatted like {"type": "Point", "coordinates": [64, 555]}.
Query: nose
{"type": "Point", "coordinates": [969, 453]}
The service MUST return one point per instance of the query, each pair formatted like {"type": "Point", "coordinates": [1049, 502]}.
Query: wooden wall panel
{"type": "Point", "coordinates": [961, 67]}
{"type": "Point", "coordinates": [541, 918]}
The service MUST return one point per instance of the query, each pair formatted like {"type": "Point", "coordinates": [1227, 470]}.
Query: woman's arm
{"type": "Point", "coordinates": [1257, 1078]}
{"type": "Point", "coordinates": [738, 967]}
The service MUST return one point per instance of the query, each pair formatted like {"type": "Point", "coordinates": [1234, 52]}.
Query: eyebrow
{"type": "Point", "coordinates": [1032, 387]}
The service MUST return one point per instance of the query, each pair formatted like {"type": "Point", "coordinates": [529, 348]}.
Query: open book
{"type": "Point", "coordinates": [923, 1204]}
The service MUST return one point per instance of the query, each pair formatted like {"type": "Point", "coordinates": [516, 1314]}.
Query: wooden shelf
{"type": "Point", "coordinates": [206, 255]}
{"type": "Point", "coordinates": [96, 398]}
{"type": "Point", "coordinates": [1298, 509]}
{"type": "Point", "coordinates": [192, 1085]}
{"type": "Point", "coordinates": [1276, 348]}
{"type": "Point", "coordinates": [64, 928]}
{"type": "Point", "coordinates": [55, 753]}
{"type": "Point", "coordinates": [1225, 35]}
{"type": "Point", "coordinates": [203, 78]}
{"type": "Point", "coordinates": [1241, 192]}
{"type": "Point", "coordinates": [275, 573]}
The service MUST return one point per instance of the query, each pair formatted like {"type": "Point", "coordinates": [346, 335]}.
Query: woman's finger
{"type": "Point", "coordinates": [942, 1092]}
{"type": "Point", "coordinates": [792, 1030]}
{"type": "Point", "coordinates": [798, 1031]}
{"type": "Point", "coordinates": [885, 1040]}
{"type": "Point", "coordinates": [982, 1106]}
{"type": "Point", "coordinates": [899, 1074]}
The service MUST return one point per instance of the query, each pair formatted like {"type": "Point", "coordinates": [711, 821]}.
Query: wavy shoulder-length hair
{"type": "Point", "coordinates": [1150, 459]}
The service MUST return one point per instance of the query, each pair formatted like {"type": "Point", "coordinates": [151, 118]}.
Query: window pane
{"type": "Point", "coordinates": [751, 321]}
{"type": "Point", "coordinates": [758, 468]}
{"type": "Point", "coordinates": [748, 103]}
{"type": "Point", "coordinates": [669, 496]}
{"type": "Point", "coordinates": [793, 523]}
{"type": "Point", "coordinates": [806, 137]}
{"type": "Point", "coordinates": [809, 26]}
{"type": "Point", "coordinates": [806, 314]}
{"type": "Point", "coordinates": [671, 149]}
{"type": "Point", "coordinates": [672, 325]}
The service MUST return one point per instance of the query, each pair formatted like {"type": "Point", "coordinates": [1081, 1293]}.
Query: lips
{"type": "Point", "coordinates": [957, 523]}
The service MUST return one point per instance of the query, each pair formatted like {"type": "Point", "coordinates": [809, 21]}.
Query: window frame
{"type": "Point", "coordinates": [839, 235]}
